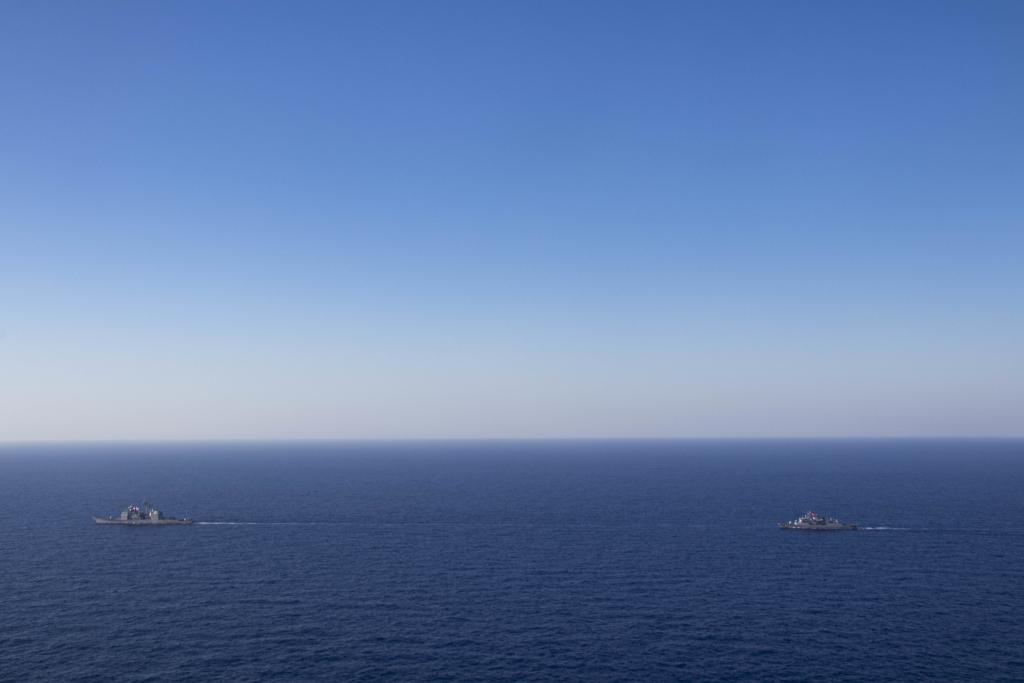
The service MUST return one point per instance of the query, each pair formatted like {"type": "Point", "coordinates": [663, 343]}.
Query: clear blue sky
{"type": "Point", "coordinates": [519, 219]}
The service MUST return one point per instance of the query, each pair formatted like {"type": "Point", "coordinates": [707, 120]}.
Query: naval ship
{"type": "Point", "coordinates": [140, 515]}
{"type": "Point", "coordinates": [812, 521]}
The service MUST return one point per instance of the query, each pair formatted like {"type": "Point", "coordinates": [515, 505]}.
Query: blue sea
{"type": "Point", "coordinates": [514, 561]}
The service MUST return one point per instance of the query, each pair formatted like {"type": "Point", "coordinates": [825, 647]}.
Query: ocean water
{"type": "Point", "coordinates": [614, 561]}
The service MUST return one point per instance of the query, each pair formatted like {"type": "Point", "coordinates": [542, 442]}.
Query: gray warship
{"type": "Point", "coordinates": [141, 515]}
{"type": "Point", "coordinates": [812, 521]}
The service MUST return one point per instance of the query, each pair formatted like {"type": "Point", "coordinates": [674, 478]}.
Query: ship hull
{"type": "Point", "coordinates": [141, 522]}
{"type": "Point", "coordinates": [819, 527]}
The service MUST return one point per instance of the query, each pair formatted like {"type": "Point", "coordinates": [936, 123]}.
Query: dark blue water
{"type": "Point", "coordinates": [543, 561]}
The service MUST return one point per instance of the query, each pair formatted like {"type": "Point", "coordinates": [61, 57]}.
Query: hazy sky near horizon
{"type": "Point", "coordinates": [519, 219]}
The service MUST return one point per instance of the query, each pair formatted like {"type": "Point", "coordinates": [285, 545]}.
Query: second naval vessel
{"type": "Point", "coordinates": [141, 515]}
{"type": "Point", "coordinates": [812, 521]}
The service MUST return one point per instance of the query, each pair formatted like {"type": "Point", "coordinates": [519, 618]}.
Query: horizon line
{"type": "Point", "coordinates": [526, 439]}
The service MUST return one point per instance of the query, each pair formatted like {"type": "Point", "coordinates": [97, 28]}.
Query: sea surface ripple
{"type": "Point", "coordinates": [614, 561]}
